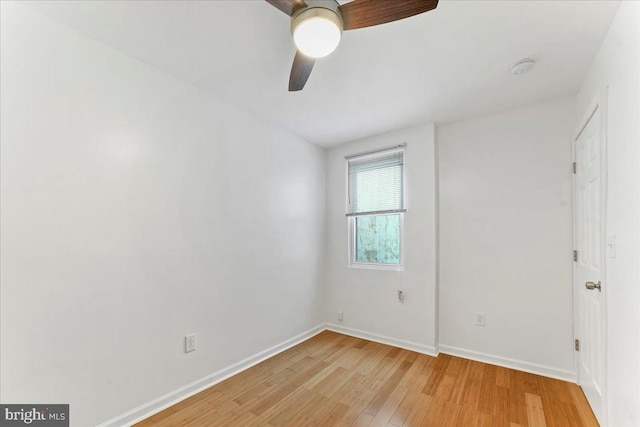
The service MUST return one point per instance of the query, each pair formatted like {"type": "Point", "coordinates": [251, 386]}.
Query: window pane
{"type": "Point", "coordinates": [377, 239]}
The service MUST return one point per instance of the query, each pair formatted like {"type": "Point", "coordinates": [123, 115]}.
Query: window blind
{"type": "Point", "coordinates": [376, 184]}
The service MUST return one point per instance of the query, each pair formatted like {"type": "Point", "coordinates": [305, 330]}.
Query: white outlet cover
{"type": "Point", "coordinates": [480, 319]}
{"type": "Point", "coordinates": [190, 343]}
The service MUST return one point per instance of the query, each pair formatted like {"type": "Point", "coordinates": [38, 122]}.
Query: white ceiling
{"type": "Point", "coordinates": [446, 65]}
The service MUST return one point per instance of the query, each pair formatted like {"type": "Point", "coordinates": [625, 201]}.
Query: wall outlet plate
{"type": "Point", "coordinates": [190, 343]}
{"type": "Point", "coordinates": [480, 321]}
{"type": "Point", "coordinates": [340, 316]}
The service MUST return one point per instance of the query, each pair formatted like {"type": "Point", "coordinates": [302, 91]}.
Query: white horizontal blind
{"type": "Point", "coordinates": [376, 184]}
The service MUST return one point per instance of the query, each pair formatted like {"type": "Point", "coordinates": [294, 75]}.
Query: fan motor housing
{"type": "Point", "coordinates": [326, 9]}
{"type": "Point", "coordinates": [332, 5]}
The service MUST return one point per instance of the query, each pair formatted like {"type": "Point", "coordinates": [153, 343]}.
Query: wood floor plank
{"type": "Point", "coordinates": [359, 399]}
{"type": "Point", "coordinates": [351, 383]}
{"type": "Point", "coordinates": [403, 410]}
{"type": "Point", "coordinates": [517, 402]}
{"type": "Point", "coordinates": [488, 390]}
{"type": "Point", "coordinates": [502, 376]}
{"type": "Point", "coordinates": [555, 403]}
{"type": "Point", "coordinates": [332, 382]}
{"type": "Point", "coordinates": [390, 405]}
{"type": "Point", "coordinates": [415, 385]}
{"type": "Point", "coordinates": [471, 394]}
{"type": "Point", "coordinates": [535, 411]}
{"type": "Point", "coordinates": [337, 380]}
{"type": "Point", "coordinates": [418, 414]}
{"type": "Point", "coordinates": [501, 407]}
{"type": "Point", "coordinates": [461, 371]}
{"type": "Point", "coordinates": [483, 420]}
{"type": "Point", "coordinates": [383, 393]}
{"type": "Point", "coordinates": [442, 413]}
{"type": "Point", "coordinates": [435, 378]}
{"type": "Point", "coordinates": [319, 409]}
{"type": "Point", "coordinates": [288, 412]}
{"type": "Point", "coordinates": [335, 416]}
{"type": "Point", "coordinates": [363, 420]}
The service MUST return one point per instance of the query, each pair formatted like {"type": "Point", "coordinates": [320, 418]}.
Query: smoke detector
{"type": "Point", "coordinates": [523, 67]}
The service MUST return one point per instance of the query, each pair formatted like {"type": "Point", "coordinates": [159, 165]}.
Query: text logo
{"type": "Point", "coordinates": [34, 415]}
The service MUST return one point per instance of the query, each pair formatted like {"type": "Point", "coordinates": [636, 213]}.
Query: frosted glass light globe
{"type": "Point", "coordinates": [317, 37]}
{"type": "Point", "coordinates": [316, 31]}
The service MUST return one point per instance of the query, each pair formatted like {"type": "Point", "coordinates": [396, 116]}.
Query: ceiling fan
{"type": "Point", "coordinates": [317, 25]}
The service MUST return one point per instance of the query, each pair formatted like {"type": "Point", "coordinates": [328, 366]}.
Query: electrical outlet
{"type": "Point", "coordinates": [190, 343]}
{"type": "Point", "coordinates": [480, 319]}
{"type": "Point", "coordinates": [340, 316]}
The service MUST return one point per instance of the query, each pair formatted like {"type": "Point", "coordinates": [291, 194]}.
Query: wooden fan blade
{"type": "Point", "coordinates": [288, 6]}
{"type": "Point", "coordinates": [302, 66]}
{"type": "Point", "coordinates": [366, 13]}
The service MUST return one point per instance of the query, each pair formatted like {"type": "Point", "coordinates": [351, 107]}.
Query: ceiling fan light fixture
{"type": "Point", "coordinates": [316, 31]}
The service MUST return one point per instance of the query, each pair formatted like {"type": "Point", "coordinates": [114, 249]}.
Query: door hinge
{"type": "Point", "coordinates": [575, 256]}
{"type": "Point", "coordinates": [574, 167]}
{"type": "Point", "coordinates": [577, 345]}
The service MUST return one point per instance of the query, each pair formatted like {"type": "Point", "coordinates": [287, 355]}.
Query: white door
{"type": "Point", "coordinates": [588, 269]}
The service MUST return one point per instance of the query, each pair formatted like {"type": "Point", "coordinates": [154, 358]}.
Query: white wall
{"type": "Point", "coordinates": [614, 79]}
{"type": "Point", "coordinates": [505, 237]}
{"type": "Point", "coordinates": [367, 297]}
{"type": "Point", "coordinates": [135, 210]}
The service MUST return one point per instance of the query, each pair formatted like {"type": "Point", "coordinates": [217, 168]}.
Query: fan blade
{"type": "Point", "coordinates": [366, 13]}
{"type": "Point", "coordinates": [288, 6]}
{"type": "Point", "coordinates": [302, 66]}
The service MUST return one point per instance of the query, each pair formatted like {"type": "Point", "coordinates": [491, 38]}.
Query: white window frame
{"type": "Point", "coordinates": [352, 219]}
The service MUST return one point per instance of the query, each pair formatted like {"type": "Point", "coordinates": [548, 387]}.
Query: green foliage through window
{"type": "Point", "coordinates": [377, 239]}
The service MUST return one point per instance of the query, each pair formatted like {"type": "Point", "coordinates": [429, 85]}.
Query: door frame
{"type": "Point", "coordinates": [598, 103]}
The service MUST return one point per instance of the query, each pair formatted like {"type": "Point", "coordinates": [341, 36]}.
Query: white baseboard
{"type": "Point", "coordinates": [519, 365]}
{"type": "Point", "coordinates": [153, 407]}
{"type": "Point", "coordinates": [408, 345]}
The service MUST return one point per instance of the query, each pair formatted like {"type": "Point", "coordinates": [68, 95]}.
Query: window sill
{"type": "Point", "coordinates": [365, 266]}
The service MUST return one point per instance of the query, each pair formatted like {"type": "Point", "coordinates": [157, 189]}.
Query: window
{"type": "Point", "coordinates": [375, 208]}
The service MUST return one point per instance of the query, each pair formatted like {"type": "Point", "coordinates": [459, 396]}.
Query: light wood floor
{"type": "Point", "coordinates": [337, 380]}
